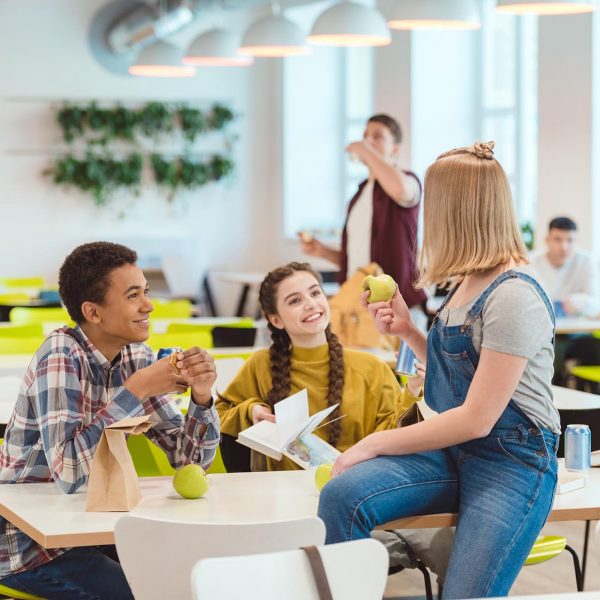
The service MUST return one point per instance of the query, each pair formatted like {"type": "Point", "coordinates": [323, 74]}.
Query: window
{"type": "Point", "coordinates": [327, 98]}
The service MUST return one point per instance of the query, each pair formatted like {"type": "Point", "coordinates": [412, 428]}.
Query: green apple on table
{"type": "Point", "coordinates": [382, 287]}
{"type": "Point", "coordinates": [190, 481]}
{"type": "Point", "coordinates": [323, 475]}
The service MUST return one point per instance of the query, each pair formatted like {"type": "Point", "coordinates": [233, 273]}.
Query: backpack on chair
{"type": "Point", "coordinates": [350, 321]}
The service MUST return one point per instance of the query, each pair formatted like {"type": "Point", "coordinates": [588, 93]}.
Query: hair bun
{"type": "Point", "coordinates": [483, 149]}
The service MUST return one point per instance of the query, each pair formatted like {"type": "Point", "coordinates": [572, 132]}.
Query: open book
{"type": "Point", "coordinates": [292, 434]}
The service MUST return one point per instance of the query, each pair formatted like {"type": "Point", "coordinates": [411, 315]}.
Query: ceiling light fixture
{"type": "Point", "coordinates": [350, 24]}
{"type": "Point", "coordinates": [544, 7]}
{"type": "Point", "coordinates": [216, 48]}
{"type": "Point", "coordinates": [161, 59]}
{"type": "Point", "coordinates": [274, 36]}
{"type": "Point", "coordinates": [435, 14]}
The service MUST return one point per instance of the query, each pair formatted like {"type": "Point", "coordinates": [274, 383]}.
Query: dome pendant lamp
{"type": "Point", "coordinates": [274, 36]}
{"type": "Point", "coordinates": [350, 24]}
{"type": "Point", "coordinates": [544, 7]}
{"type": "Point", "coordinates": [435, 14]}
{"type": "Point", "coordinates": [161, 59]}
{"type": "Point", "coordinates": [216, 48]}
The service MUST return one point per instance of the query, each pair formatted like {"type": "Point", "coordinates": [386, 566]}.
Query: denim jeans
{"type": "Point", "coordinates": [89, 573]}
{"type": "Point", "coordinates": [501, 485]}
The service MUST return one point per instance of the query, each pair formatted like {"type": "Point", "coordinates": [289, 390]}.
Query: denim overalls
{"type": "Point", "coordinates": [502, 485]}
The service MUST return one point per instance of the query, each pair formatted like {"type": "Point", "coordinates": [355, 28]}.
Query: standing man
{"type": "Point", "coordinates": [81, 380]}
{"type": "Point", "coordinates": [381, 223]}
{"type": "Point", "coordinates": [569, 275]}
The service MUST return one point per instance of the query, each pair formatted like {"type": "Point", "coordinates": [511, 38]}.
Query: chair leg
{"type": "Point", "coordinates": [427, 578]}
{"type": "Point", "coordinates": [578, 576]}
{"type": "Point", "coordinates": [585, 552]}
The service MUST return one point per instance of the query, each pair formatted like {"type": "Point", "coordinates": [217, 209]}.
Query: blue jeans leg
{"type": "Point", "coordinates": [90, 573]}
{"type": "Point", "coordinates": [386, 488]}
{"type": "Point", "coordinates": [504, 503]}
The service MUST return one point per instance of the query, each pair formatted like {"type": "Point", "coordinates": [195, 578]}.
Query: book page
{"type": "Point", "coordinates": [290, 415]}
{"type": "Point", "coordinates": [311, 451]}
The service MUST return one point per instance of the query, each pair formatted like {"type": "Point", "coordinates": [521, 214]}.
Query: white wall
{"type": "Point", "coordinates": [45, 60]}
{"type": "Point", "coordinates": [565, 124]}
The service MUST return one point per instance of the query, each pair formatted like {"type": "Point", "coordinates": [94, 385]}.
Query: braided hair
{"type": "Point", "coordinates": [281, 347]}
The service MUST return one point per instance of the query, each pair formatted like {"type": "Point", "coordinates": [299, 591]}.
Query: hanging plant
{"type": "Point", "coordinates": [154, 119]}
{"type": "Point", "coordinates": [98, 175]}
{"type": "Point", "coordinates": [71, 119]}
{"type": "Point", "coordinates": [187, 174]}
{"type": "Point", "coordinates": [192, 122]}
{"type": "Point", "coordinates": [219, 116]}
{"type": "Point", "coordinates": [528, 235]}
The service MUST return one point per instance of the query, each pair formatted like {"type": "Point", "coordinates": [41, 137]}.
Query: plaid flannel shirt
{"type": "Point", "coordinates": [69, 394]}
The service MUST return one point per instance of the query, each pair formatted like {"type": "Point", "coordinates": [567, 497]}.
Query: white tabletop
{"type": "Point", "coordinates": [568, 399]}
{"type": "Point", "coordinates": [577, 325]}
{"type": "Point", "coordinates": [57, 520]}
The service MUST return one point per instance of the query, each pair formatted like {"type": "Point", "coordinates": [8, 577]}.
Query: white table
{"type": "Point", "coordinates": [566, 325]}
{"type": "Point", "coordinates": [57, 520]}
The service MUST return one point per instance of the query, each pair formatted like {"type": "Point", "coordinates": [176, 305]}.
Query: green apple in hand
{"type": "Point", "coordinates": [190, 481]}
{"type": "Point", "coordinates": [323, 475]}
{"type": "Point", "coordinates": [382, 287]}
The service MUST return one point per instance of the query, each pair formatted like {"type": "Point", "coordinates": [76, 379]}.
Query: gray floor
{"type": "Point", "coordinates": [554, 576]}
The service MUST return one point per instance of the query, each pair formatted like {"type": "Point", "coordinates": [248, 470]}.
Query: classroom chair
{"type": "Point", "coordinates": [11, 298]}
{"type": "Point", "coordinates": [25, 331]}
{"type": "Point", "coordinates": [353, 571]}
{"type": "Point", "coordinates": [161, 566]}
{"type": "Point", "coordinates": [20, 345]}
{"type": "Point", "coordinates": [171, 309]}
{"type": "Point", "coordinates": [8, 592]}
{"type": "Point", "coordinates": [22, 315]}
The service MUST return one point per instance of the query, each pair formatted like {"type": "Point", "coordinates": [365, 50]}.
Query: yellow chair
{"type": "Point", "coordinates": [25, 316]}
{"type": "Point", "coordinates": [201, 338]}
{"type": "Point", "coordinates": [12, 298]}
{"type": "Point", "coordinates": [547, 547]}
{"type": "Point", "coordinates": [20, 345]}
{"type": "Point", "coordinates": [35, 329]}
{"type": "Point", "coordinates": [589, 373]}
{"type": "Point", "coordinates": [171, 309]}
{"type": "Point", "coordinates": [10, 593]}
{"type": "Point", "coordinates": [151, 461]}
{"type": "Point", "coordinates": [22, 282]}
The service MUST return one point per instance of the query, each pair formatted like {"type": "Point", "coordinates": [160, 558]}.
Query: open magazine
{"type": "Point", "coordinates": [292, 434]}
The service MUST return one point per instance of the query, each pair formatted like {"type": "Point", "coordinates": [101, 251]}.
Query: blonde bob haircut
{"type": "Point", "coordinates": [469, 219]}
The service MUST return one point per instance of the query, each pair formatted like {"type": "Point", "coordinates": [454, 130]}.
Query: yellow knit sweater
{"type": "Point", "coordinates": [372, 399]}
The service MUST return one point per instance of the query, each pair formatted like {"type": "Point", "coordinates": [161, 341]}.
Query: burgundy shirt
{"type": "Point", "coordinates": [393, 241]}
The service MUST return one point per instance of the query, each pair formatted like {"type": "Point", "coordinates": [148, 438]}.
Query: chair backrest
{"type": "Point", "coordinates": [25, 315]}
{"type": "Point", "coordinates": [13, 298]}
{"type": "Point", "coordinates": [157, 556]}
{"type": "Point", "coordinates": [22, 282]}
{"type": "Point", "coordinates": [20, 345]}
{"type": "Point", "coordinates": [355, 570]}
{"type": "Point", "coordinates": [171, 309]}
{"type": "Point", "coordinates": [224, 337]}
{"type": "Point", "coordinates": [32, 330]}
{"type": "Point", "coordinates": [203, 339]}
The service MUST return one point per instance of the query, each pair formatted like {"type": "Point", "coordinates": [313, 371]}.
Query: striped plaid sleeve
{"type": "Point", "coordinates": [69, 430]}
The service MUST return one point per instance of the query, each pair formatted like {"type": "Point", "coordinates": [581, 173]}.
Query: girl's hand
{"type": "Point", "coordinates": [262, 413]}
{"type": "Point", "coordinates": [415, 384]}
{"type": "Point", "coordinates": [391, 318]}
{"type": "Point", "coordinates": [358, 453]}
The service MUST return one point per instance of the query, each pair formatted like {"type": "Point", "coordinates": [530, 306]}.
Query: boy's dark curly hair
{"type": "Point", "coordinates": [85, 274]}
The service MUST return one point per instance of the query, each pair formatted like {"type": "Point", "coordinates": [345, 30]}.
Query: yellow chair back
{"type": "Point", "coordinates": [203, 339]}
{"type": "Point", "coordinates": [25, 316]}
{"type": "Point", "coordinates": [34, 329]}
{"type": "Point", "coordinates": [171, 309]}
{"type": "Point", "coordinates": [13, 298]}
{"type": "Point", "coordinates": [20, 345]}
{"type": "Point", "coordinates": [22, 282]}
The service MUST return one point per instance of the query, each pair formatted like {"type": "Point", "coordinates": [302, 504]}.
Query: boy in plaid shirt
{"type": "Point", "coordinates": [79, 381]}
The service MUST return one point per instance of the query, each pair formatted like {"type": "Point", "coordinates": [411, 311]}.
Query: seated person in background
{"type": "Point", "coordinates": [306, 354]}
{"type": "Point", "coordinates": [79, 381]}
{"type": "Point", "coordinates": [569, 275]}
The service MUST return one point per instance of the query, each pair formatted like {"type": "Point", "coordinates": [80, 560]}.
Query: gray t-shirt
{"type": "Point", "coordinates": [515, 321]}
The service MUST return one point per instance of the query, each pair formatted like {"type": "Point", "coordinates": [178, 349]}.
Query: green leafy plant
{"type": "Point", "coordinates": [155, 118]}
{"type": "Point", "coordinates": [192, 121]}
{"type": "Point", "coordinates": [528, 235]}
{"type": "Point", "coordinates": [72, 121]}
{"type": "Point", "coordinates": [219, 116]}
{"type": "Point", "coordinates": [99, 175]}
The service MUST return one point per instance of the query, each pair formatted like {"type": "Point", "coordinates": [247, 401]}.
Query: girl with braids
{"type": "Point", "coordinates": [305, 354]}
{"type": "Point", "coordinates": [490, 453]}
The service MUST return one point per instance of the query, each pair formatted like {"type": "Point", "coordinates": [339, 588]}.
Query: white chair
{"type": "Point", "coordinates": [355, 571]}
{"type": "Point", "coordinates": [227, 369]}
{"type": "Point", "coordinates": [158, 555]}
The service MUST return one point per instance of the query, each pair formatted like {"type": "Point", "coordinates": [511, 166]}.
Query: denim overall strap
{"type": "Point", "coordinates": [477, 308]}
